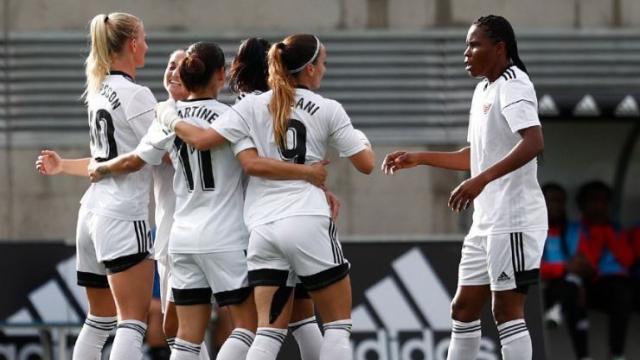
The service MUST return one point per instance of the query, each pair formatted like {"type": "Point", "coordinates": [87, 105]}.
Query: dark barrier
{"type": "Point", "coordinates": [401, 296]}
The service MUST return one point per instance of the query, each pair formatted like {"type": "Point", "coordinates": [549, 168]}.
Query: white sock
{"type": "Point", "coordinates": [308, 336]}
{"type": "Point", "coordinates": [204, 352]}
{"type": "Point", "coordinates": [515, 340]}
{"type": "Point", "coordinates": [335, 344]}
{"type": "Point", "coordinates": [171, 341]}
{"type": "Point", "coordinates": [184, 350]}
{"type": "Point", "coordinates": [237, 345]}
{"type": "Point", "coordinates": [266, 344]}
{"type": "Point", "coordinates": [127, 345]}
{"type": "Point", "coordinates": [465, 340]}
{"type": "Point", "coordinates": [92, 337]}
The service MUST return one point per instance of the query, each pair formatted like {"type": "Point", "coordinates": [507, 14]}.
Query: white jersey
{"type": "Point", "coordinates": [315, 124]}
{"type": "Point", "coordinates": [514, 202]}
{"type": "Point", "coordinates": [165, 206]}
{"type": "Point", "coordinates": [207, 184]}
{"type": "Point", "coordinates": [119, 116]}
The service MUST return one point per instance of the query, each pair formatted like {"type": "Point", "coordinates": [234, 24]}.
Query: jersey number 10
{"type": "Point", "coordinates": [203, 159]}
{"type": "Point", "coordinates": [103, 142]}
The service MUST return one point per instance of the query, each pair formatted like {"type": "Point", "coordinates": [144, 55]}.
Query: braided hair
{"type": "Point", "coordinates": [499, 29]}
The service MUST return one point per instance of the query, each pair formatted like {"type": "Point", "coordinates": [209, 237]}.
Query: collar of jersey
{"type": "Point", "coordinates": [123, 74]}
{"type": "Point", "coordinates": [198, 99]}
{"type": "Point", "coordinates": [507, 74]}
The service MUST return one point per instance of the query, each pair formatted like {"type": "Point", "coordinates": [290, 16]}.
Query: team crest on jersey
{"type": "Point", "coordinates": [486, 108]}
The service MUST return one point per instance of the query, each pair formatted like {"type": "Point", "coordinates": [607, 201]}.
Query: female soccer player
{"type": "Point", "coordinates": [291, 230]}
{"type": "Point", "coordinates": [249, 75]}
{"type": "Point", "coordinates": [208, 238]}
{"type": "Point", "coordinates": [113, 242]}
{"type": "Point", "coordinates": [501, 254]}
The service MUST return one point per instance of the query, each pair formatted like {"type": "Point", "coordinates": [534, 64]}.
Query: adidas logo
{"type": "Point", "coordinates": [628, 107]}
{"type": "Point", "coordinates": [503, 277]}
{"type": "Point", "coordinates": [59, 301]}
{"type": "Point", "coordinates": [413, 301]}
{"type": "Point", "coordinates": [587, 107]}
{"type": "Point", "coordinates": [547, 107]}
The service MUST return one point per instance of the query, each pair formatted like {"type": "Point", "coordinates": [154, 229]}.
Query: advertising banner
{"type": "Point", "coordinates": [401, 297]}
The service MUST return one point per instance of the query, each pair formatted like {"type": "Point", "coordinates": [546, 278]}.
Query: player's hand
{"type": "Point", "coordinates": [94, 174]}
{"type": "Point", "coordinates": [317, 174]}
{"type": "Point", "coordinates": [398, 160]}
{"type": "Point", "coordinates": [334, 204]}
{"type": "Point", "coordinates": [49, 163]}
{"type": "Point", "coordinates": [463, 195]}
{"type": "Point", "coordinates": [167, 115]}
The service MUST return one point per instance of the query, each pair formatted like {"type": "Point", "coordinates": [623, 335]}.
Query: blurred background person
{"type": "Point", "coordinates": [563, 271]}
{"type": "Point", "coordinates": [609, 254]}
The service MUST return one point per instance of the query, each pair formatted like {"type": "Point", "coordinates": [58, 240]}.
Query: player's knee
{"type": "Point", "coordinates": [504, 312]}
{"type": "Point", "coordinates": [462, 310]}
{"type": "Point", "coordinates": [170, 327]}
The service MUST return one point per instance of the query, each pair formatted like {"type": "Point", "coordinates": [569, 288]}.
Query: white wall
{"type": "Point", "coordinates": [310, 15]}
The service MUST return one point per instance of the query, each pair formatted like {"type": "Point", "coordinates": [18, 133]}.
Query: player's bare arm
{"type": "Point", "coordinates": [531, 145]}
{"type": "Point", "coordinates": [123, 164]}
{"type": "Point", "coordinates": [255, 165]}
{"type": "Point", "coordinates": [50, 163]}
{"type": "Point", "coordinates": [452, 160]}
{"type": "Point", "coordinates": [334, 204]}
{"type": "Point", "coordinates": [364, 161]}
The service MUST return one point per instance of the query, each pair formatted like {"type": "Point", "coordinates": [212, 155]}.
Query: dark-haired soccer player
{"type": "Point", "coordinates": [501, 254]}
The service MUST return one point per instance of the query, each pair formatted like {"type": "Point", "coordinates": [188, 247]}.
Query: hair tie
{"type": "Point", "coordinates": [313, 58]}
{"type": "Point", "coordinates": [106, 18]}
{"type": "Point", "coordinates": [281, 45]}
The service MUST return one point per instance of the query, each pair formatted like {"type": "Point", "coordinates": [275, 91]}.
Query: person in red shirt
{"type": "Point", "coordinates": [563, 270]}
{"type": "Point", "coordinates": [607, 250]}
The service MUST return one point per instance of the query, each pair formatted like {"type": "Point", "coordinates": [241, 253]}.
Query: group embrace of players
{"type": "Point", "coordinates": [243, 216]}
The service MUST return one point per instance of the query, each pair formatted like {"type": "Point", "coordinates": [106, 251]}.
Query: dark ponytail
{"type": "Point", "coordinates": [202, 60]}
{"type": "Point", "coordinates": [499, 29]}
{"type": "Point", "coordinates": [249, 70]}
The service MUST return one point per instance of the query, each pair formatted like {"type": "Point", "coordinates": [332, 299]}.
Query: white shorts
{"type": "Point", "coordinates": [306, 246]}
{"type": "Point", "coordinates": [196, 277]}
{"type": "Point", "coordinates": [108, 245]}
{"type": "Point", "coordinates": [164, 272]}
{"type": "Point", "coordinates": [504, 261]}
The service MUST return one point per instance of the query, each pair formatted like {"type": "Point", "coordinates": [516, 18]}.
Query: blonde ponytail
{"type": "Point", "coordinates": [282, 84]}
{"type": "Point", "coordinates": [108, 35]}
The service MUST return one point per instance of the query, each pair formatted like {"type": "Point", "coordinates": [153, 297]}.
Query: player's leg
{"type": "Point", "coordinates": [273, 291]}
{"type": "Point", "coordinates": [155, 340]}
{"type": "Point", "coordinates": [472, 294]}
{"type": "Point", "coordinates": [101, 318]}
{"type": "Point", "coordinates": [227, 275]}
{"type": "Point", "coordinates": [303, 325]}
{"type": "Point", "coordinates": [514, 261]}
{"type": "Point", "coordinates": [312, 247]}
{"type": "Point", "coordinates": [170, 323]}
{"type": "Point", "coordinates": [192, 295]}
{"type": "Point", "coordinates": [132, 292]}
{"type": "Point", "coordinates": [125, 248]}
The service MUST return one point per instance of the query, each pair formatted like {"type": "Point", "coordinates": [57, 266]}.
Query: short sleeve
{"type": "Point", "coordinates": [155, 144]}
{"type": "Point", "coordinates": [519, 105]}
{"type": "Point", "coordinates": [232, 124]}
{"type": "Point", "coordinates": [242, 145]}
{"type": "Point", "coordinates": [342, 135]}
{"type": "Point", "coordinates": [141, 111]}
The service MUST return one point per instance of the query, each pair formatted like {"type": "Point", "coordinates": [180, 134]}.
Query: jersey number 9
{"type": "Point", "coordinates": [296, 142]}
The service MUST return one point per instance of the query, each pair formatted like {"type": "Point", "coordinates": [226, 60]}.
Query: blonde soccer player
{"type": "Point", "coordinates": [114, 246]}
